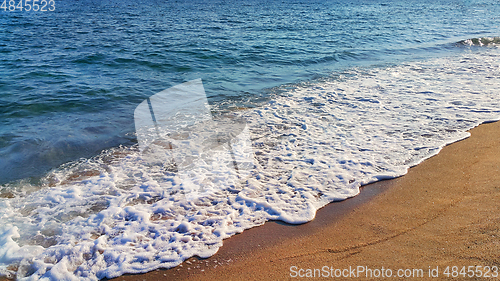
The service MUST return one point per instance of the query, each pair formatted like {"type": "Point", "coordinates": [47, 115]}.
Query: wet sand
{"type": "Point", "coordinates": [444, 212]}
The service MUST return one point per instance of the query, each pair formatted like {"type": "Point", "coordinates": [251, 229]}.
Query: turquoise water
{"type": "Point", "coordinates": [70, 79]}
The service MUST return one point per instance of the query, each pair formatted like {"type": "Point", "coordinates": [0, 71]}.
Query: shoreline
{"type": "Point", "coordinates": [271, 234]}
{"type": "Point", "coordinates": [439, 214]}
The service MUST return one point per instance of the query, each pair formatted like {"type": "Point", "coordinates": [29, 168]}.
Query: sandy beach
{"type": "Point", "coordinates": [443, 213]}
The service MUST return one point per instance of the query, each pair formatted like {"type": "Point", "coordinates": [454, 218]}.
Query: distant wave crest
{"type": "Point", "coordinates": [483, 41]}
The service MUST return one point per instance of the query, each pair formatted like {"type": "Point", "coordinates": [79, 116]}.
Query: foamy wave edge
{"type": "Point", "coordinates": [117, 213]}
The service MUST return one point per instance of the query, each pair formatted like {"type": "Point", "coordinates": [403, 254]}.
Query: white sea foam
{"type": "Point", "coordinates": [120, 213]}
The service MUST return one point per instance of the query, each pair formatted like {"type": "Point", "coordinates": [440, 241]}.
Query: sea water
{"type": "Point", "coordinates": [334, 95]}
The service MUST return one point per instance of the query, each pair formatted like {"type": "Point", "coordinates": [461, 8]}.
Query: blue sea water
{"type": "Point", "coordinates": [69, 79]}
{"type": "Point", "coordinates": [310, 77]}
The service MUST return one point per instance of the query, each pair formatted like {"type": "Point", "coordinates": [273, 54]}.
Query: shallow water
{"type": "Point", "coordinates": [70, 78]}
{"type": "Point", "coordinates": [333, 95]}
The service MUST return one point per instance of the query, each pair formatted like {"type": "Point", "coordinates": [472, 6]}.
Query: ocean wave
{"type": "Point", "coordinates": [482, 41]}
{"type": "Point", "coordinates": [313, 143]}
